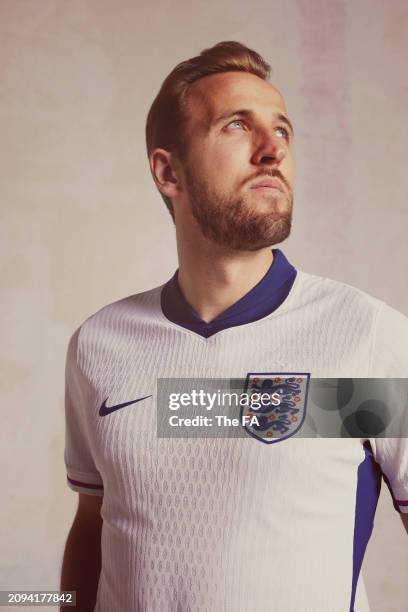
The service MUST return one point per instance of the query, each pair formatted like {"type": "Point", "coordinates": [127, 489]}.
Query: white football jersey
{"type": "Point", "coordinates": [214, 525]}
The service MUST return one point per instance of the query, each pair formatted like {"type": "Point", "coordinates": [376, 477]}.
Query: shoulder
{"type": "Point", "coordinates": [344, 297]}
{"type": "Point", "coordinates": [116, 323]}
{"type": "Point", "coordinates": [335, 300]}
{"type": "Point", "coordinates": [318, 288]}
{"type": "Point", "coordinates": [358, 313]}
{"type": "Point", "coordinates": [390, 344]}
{"type": "Point", "coordinates": [133, 307]}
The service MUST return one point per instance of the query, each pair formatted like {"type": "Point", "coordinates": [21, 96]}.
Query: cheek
{"type": "Point", "coordinates": [230, 162]}
{"type": "Point", "coordinates": [288, 169]}
{"type": "Point", "coordinates": [235, 157]}
{"type": "Point", "coordinates": [223, 164]}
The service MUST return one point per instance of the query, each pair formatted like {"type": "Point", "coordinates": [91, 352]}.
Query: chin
{"type": "Point", "coordinates": [259, 233]}
{"type": "Point", "coordinates": [271, 202]}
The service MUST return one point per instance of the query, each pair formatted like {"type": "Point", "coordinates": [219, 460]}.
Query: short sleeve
{"type": "Point", "coordinates": [82, 474]}
{"type": "Point", "coordinates": [392, 456]}
{"type": "Point", "coordinates": [389, 358]}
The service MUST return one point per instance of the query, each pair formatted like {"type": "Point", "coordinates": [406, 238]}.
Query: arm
{"type": "Point", "coordinates": [81, 565]}
{"type": "Point", "coordinates": [404, 519]}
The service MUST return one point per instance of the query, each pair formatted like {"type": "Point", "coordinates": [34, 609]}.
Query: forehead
{"type": "Point", "coordinates": [226, 91]}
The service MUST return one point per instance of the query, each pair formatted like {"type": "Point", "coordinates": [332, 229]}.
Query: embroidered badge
{"type": "Point", "coordinates": [277, 407]}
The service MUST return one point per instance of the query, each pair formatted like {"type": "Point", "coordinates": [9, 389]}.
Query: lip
{"type": "Point", "coordinates": [268, 183]}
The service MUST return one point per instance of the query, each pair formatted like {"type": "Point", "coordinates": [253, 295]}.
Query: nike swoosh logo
{"type": "Point", "coordinates": [104, 409]}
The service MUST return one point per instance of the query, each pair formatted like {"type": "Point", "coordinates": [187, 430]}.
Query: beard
{"type": "Point", "coordinates": [237, 223]}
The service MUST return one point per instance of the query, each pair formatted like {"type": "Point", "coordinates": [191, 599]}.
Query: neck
{"type": "Point", "coordinates": [212, 278]}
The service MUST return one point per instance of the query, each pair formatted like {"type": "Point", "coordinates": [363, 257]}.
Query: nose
{"type": "Point", "coordinates": [270, 150]}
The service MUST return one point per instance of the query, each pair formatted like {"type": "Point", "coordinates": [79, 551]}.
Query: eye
{"type": "Point", "coordinates": [286, 132]}
{"type": "Point", "coordinates": [236, 122]}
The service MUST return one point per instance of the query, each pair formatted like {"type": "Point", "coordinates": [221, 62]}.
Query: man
{"type": "Point", "coordinates": [224, 524]}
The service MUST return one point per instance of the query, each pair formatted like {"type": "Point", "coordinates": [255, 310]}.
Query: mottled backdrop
{"type": "Point", "coordinates": [82, 224]}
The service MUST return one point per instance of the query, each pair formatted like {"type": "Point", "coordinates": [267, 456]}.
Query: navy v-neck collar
{"type": "Point", "coordinates": [260, 301]}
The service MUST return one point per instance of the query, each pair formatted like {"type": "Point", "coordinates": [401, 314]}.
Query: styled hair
{"type": "Point", "coordinates": [166, 120]}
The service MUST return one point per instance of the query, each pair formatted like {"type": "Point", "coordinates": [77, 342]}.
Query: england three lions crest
{"type": "Point", "coordinates": [276, 406]}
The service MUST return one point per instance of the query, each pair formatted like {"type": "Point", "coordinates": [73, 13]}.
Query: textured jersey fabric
{"type": "Point", "coordinates": [231, 524]}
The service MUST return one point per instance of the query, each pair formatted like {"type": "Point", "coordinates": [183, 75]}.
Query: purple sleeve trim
{"type": "Point", "coordinates": [85, 484]}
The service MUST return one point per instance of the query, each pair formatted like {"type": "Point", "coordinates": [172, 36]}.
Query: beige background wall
{"type": "Point", "coordinates": [82, 224]}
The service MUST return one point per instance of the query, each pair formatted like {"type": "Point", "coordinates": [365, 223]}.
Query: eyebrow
{"type": "Point", "coordinates": [244, 112]}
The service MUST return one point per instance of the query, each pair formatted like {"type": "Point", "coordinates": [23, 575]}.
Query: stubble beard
{"type": "Point", "coordinates": [235, 223]}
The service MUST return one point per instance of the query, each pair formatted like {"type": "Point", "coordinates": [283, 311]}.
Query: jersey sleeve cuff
{"type": "Point", "coordinates": [402, 505]}
{"type": "Point", "coordinates": [85, 483]}
{"type": "Point", "coordinates": [399, 495]}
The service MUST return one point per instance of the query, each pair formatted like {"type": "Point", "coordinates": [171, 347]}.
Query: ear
{"type": "Point", "coordinates": [164, 173]}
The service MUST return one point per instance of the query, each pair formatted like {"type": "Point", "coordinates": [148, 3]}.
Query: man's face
{"type": "Point", "coordinates": [238, 143]}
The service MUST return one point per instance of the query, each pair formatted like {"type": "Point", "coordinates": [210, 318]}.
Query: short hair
{"type": "Point", "coordinates": [167, 116]}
